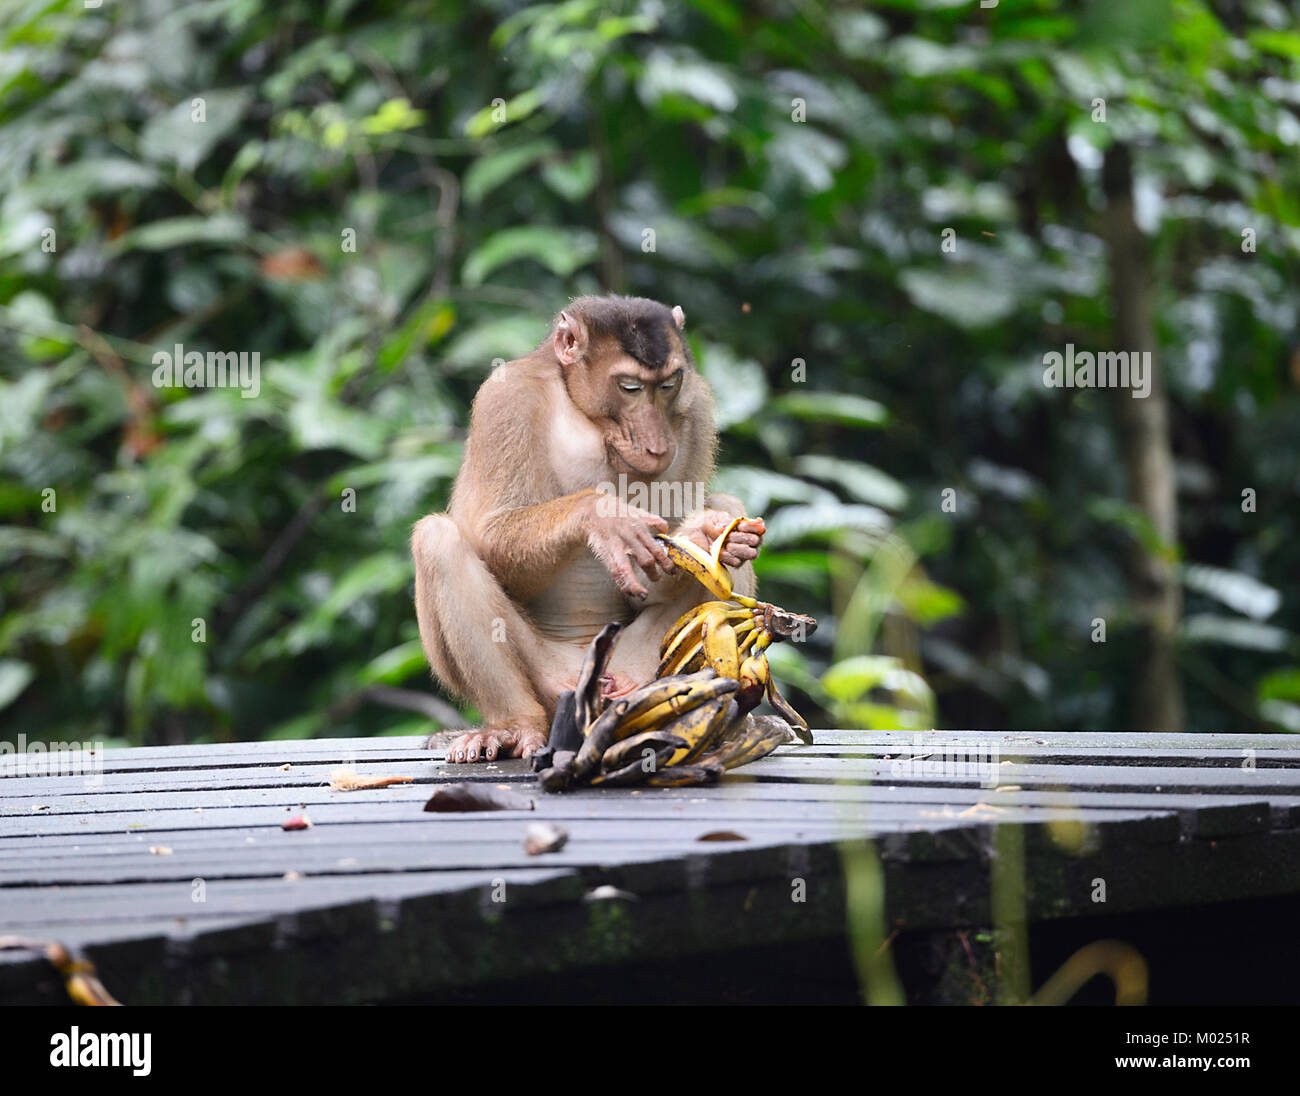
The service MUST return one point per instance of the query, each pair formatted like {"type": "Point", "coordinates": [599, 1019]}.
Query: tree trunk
{"type": "Point", "coordinates": [1148, 457]}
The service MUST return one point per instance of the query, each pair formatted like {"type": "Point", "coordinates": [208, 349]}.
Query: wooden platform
{"type": "Point", "coordinates": [172, 867]}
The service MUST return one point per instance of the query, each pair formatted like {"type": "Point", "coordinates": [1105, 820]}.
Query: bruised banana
{"type": "Point", "coordinates": [632, 749]}
{"type": "Point", "coordinates": [747, 740]}
{"type": "Point", "coordinates": [702, 728]}
{"type": "Point", "coordinates": [683, 776]}
{"type": "Point", "coordinates": [665, 698]}
{"type": "Point", "coordinates": [695, 720]}
{"type": "Point", "coordinates": [587, 697]}
{"type": "Point", "coordinates": [618, 720]}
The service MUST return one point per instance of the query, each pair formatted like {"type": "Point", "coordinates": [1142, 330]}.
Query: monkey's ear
{"type": "Point", "coordinates": [679, 317]}
{"type": "Point", "coordinates": [570, 338]}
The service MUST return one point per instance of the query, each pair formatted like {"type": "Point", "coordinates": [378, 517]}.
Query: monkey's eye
{"type": "Point", "coordinates": [630, 386]}
{"type": "Point", "coordinates": [671, 382]}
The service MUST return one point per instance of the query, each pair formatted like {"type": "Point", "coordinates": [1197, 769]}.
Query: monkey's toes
{"type": "Point", "coordinates": [488, 745]}
{"type": "Point", "coordinates": [478, 745]}
{"type": "Point", "coordinates": [529, 743]}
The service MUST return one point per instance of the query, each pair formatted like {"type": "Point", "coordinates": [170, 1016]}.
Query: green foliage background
{"type": "Point", "coordinates": [493, 159]}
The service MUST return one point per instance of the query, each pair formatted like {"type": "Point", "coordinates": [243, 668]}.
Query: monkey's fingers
{"type": "Point", "coordinates": [659, 559]}
{"type": "Point", "coordinates": [650, 518]}
{"type": "Point", "coordinates": [743, 542]}
{"type": "Point", "coordinates": [618, 563]}
{"type": "Point", "coordinates": [735, 555]}
{"type": "Point", "coordinates": [644, 558]}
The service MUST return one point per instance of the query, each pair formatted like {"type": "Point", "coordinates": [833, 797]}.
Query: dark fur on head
{"type": "Point", "coordinates": [643, 328]}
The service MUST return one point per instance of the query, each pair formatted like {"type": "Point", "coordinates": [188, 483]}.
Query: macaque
{"type": "Point", "coordinates": [577, 455]}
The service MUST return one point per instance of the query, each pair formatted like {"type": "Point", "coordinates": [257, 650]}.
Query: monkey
{"type": "Point", "coordinates": [577, 454]}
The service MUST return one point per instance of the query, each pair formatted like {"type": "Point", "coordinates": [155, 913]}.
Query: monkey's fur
{"type": "Point", "coordinates": [532, 560]}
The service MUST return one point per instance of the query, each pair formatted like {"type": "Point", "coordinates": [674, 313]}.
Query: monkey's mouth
{"type": "Point", "coordinates": [641, 463]}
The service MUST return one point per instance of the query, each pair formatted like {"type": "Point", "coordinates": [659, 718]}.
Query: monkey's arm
{"type": "Point", "coordinates": [525, 547]}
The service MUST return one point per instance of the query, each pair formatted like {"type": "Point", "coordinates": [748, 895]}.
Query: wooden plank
{"type": "Point", "coordinates": [732, 800]}
{"type": "Point", "coordinates": [1190, 743]}
{"type": "Point", "coordinates": [336, 751]}
{"type": "Point", "coordinates": [428, 770]}
{"type": "Point", "coordinates": [399, 847]}
{"type": "Point", "coordinates": [89, 905]}
{"type": "Point", "coordinates": [1256, 781]}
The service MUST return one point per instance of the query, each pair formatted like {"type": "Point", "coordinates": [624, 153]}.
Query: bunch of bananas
{"type": "Point", "coordinates": [694, 721]}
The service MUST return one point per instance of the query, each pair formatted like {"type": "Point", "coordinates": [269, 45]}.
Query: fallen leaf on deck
{"type": "Point", "coordinates": [160, 850]}
{"type": "Point", "coordinates": [297, 822]}
{"type": "Point", "coordinates": [543, 837]}
{"type": "Point", "coordinates": [476, 797]}
{"type": "Point", "coordinates": [722, 835]}
{"type": "Point", "coordinates": [345, 780]}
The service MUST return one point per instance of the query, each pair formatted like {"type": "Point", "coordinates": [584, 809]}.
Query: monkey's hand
{"type": "Point", "coordinates": [741, 546]}
{"type": "Point", "coordinates": [621, 539]}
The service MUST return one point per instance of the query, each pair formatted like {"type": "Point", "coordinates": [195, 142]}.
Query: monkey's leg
{"type": "Point", "coordinates": [478, 643]}
{"type": "Point", "coordinates": [636, 658]}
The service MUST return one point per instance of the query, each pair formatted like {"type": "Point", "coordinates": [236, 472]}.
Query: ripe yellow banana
{"type": "Point", "coordinates": [690, 656]}
{"type": "Point", "coordinates": [675, 633]}
{"type": "Point", "coordinates": [694, 721]}
{"type": "Point", "coordinates": [718, 641]}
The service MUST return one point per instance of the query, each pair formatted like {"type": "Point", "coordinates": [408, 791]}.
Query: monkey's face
{"type": "Point", "coordinates": [638, 420]}
{"type": "Point", "coordinates": [624, 364]}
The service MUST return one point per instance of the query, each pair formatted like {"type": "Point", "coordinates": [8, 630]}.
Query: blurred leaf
{"type": "Point", "coordinates": [832, 407]}
{"type": "Point", "coordinates": [176, 137]}
{"type": "Point", "coordinates": [1234, 632]}
{"type": "Point", "coordinates": [561, 252]}
{"type": "Point", "coordinates": [395, 665]}
{"type": "Point", "coordinates": [572, 177]}
{"type": "Point", "coordinates": [965, 298]}
{"type": "Point", "coordinates": [738, 383]}
{"type": "Point", "coordinates": [1234, 589]}
{"type": "Point", "coordinates": [864, 483]}
{"type": "Point", "coordinates": [491, 170]}
{"type": "Point", "coordinates": [823, 519]}
{"type": "Point", "coordinates": [222, 228]}
{"type": "Point", "coordinates": [15, 676]}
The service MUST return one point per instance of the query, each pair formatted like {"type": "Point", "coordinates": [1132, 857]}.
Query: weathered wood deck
{"type": "Point", "coordinates": [171, 865]}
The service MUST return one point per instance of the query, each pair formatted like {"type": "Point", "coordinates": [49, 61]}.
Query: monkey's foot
{"type": "Point", "coordinates": [488, 744]}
